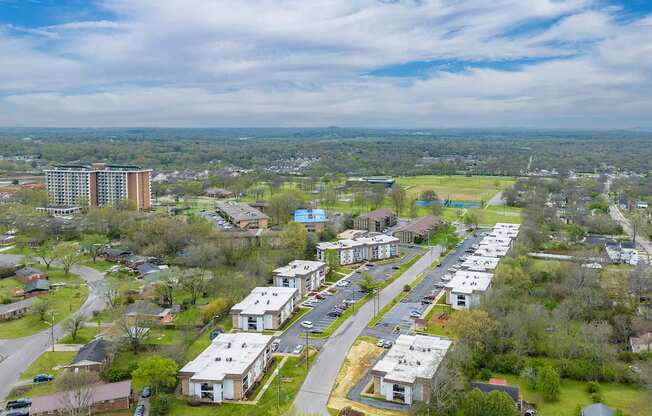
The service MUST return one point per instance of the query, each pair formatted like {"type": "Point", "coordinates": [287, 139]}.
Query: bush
{"type": "Point", "coordinates": [484, 374]}
{"type": "Point", "coordinates": [407, 288]}
{"type": "Point", "coordinates": [113, 374]}
{"type": "Point", "coordinates": [593, 387]}
{"type": "Point", "coordinates": [160, 405]}
{"type": "Point", "coordinates": [596, 397]}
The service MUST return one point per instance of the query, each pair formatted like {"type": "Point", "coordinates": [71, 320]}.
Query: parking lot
{"type": "Point", "coordinates": [319, 314]}
{"type": "Point", "coordinates": [398, 320]}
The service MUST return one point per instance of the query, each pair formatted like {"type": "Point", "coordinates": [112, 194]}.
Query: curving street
{"type": "Point", "coordinates": [17, 354]}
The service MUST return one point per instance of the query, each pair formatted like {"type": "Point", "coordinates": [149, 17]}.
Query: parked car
{"type": "Point", "coordinates": [349, 301]}
{"type": "Point", "coordinates": [426, 301]}
{"type": "Point", "coordinates": [140, 410]}
{"type": "Point", "coordinates": [214, 334]}
{"type": "Point", "coordinates": [387, 344]}
{"type": "Point", "coordinates": [380, 343]}
{"type": "Point", "coordinates": [439, 264]}
{"type": "Point", "coordinates": [320, 296]}
{"type": "Point", "coordinates": [396, 267]}
{"type": "Point", "coordinates": [343, 283]}
{"type": "Point", "coordinates": [308, 304]}
{"type": "Point", "coordinates": [297, 349]}
{"type": "Point", "coordinates": [146, 392]}
{"type": "Point", "coordinates": [275, 345]}
{"type": "Point", "coordinates": [18, 412]}
{"type": "Point", "coordinates": [440, 285]}
{"type": "Point", "coordinates": [334, 314]}
{"type": "Point", "coordinates": [307, 324]}
{"type": "Point", "coordinates": [42, 378]}
{"type": "Point", "coordinates": [415, 314]}
{"type": "Point", "coordinates": [18, 404]}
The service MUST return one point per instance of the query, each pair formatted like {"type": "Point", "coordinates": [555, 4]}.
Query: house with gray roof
{"type": "Point", "coordinates": [91, 357]}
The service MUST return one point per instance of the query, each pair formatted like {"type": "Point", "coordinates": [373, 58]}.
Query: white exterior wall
{"type": "Point", "coordinates": [227, 389]}
{"type": "Point", "coordinates": [217, 393]}
{"type": "Point", "coordinates": [386, 390]}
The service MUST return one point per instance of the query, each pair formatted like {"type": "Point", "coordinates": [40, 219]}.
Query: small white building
{"type": "Point", "coordinates": [466, 287]}
{"type": "Point", "coordinates": [304, 275]}
{"type": "Point", "coordinates": [404, 374]}
{"type": "Point", "coordinates": [228, 368]}
{"type": "Point", "coordinates": [374, 247]}
{"type": "Point", "coordinates": [265, 308]}
{"type": "Point", "coordinates": [491, 251]}
{"type": "Point", "coordinates": [480, 263]}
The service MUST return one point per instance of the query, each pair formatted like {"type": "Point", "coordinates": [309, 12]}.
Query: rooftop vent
{"type": "Point", "coordinates": [228, 345]}
{"type": "Point", "coordinates": [218, 358]}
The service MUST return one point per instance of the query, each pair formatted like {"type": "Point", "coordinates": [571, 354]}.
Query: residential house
{"type": "Point", "coordinates": [598, 409]}
{"type": "Point", "coordinates": [218, 193]}
{"type": "Point", "coordinates": [463, 291]}
{"type": "Point", "coordinates": [228, 369]}
{"type": "Point", "coordinates": [242, 215]}
{"type": "Point", "coordinates": [496, 384]}
{"type": "Point", "coordinates": [641, 343]}
{"type": "Point", "coordinates": [265, 308]}
{"type": "Point", "coordinates": [147, 269]}
{"type": "Point", "coordinates": [417, 231]}
{"type": "Point", "coordinates": [375, 221]}
{"type": "Point", "coordinates": [149, 311]}
{"type": "Point", "coordinates": [304, 275]}
{"type": "Point", "coordinates": [91, 357]}
{"type": "Point", "coordinates": [103, 398]}
{"type": "Point", "coordinates": [16, 309]}
{"type": "Point", "coordinates": [29, 274]}
{"type": "Point", "coordinates": [36, 288]}
{"type": "Point", "coordinates": [7, 240]}
{"type": "Point", "coordinates": [133, 261]}
{"type": "Point", "coordinates": [116, 254]}
{"type": "Point", "coordinates": [407, 370]}
{"type": "Point", "coordinates": [313, 219]}
{"type": "Point", "coordinates": [373, 247]}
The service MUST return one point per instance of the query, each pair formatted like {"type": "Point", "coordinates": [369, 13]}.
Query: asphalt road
{"type": "Point", "coordinates": [18, 354]}
{"type": "Point", "coordinates": [618, 216]}
{"type": "Point", "coordinates": [314, 393]}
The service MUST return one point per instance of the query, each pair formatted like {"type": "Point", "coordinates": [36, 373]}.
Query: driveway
{"type": "Point", "coordinates": [18, 354]}
{"type": "Point", "coordinates": [314, 393]}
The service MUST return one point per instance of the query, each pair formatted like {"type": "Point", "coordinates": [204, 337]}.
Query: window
{"type": "Point", "coordinates": [398, 392]}
{"type": "Point", "coordinates": [206, 391]}
{"type": "Point", "coordinates": [461, 300]}
{"type": "Point", "coordinates": [252, 323]}
{"type": "Point", "coordinates": [245, 383]}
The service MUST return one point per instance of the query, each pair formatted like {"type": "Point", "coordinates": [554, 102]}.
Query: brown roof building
{"type": "Point", "coordinates": [105, 398]}
{"type": "Point", "coordinates": [418, 230]}
{"type": "Point", "coordinates": [375, 221]}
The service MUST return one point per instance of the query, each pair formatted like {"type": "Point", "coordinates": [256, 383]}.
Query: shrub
{"type": "Point", "coordinates": [484, 374]}
{"type": "Point", "coordinates": [407, 288]}
{"type": "Point", "coordinates": [596, 397]}
{"type": "Point", "coordinates": [160, 405]}
{"type": "Point", "coordinates": [593, 387]}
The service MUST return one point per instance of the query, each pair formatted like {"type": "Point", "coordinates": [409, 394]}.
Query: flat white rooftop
{"type": "Point", "coordinates": [227, 354]}
{"type": "Point", "coordinates": [467, 282]}
{"type": "Point", "coordinates": [264, 300]}
{"type": "Point", "coordinates": [378, 239]}
{"type": "Point", "coordinates": [339, 245]}
{"type": "Point", "coordinates": [506, 225]}
{"type": "Point", "coordinates": [491, 251]}
{"type": "Point", "coordinates": [480, 263]}
{"type": "Point", "coordinates": [299, 268]}
{"type": "Point", "coordinates": [412, 357]}
{"type": "Point", "coordinates": [496, 241]}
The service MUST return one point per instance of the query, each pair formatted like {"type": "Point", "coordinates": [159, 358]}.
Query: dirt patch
{"type": "Point", "coordinates": [359, 361]}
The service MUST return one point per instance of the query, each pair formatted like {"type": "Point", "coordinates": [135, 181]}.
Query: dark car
{"type": "Point", "coordinates": [214, 334]}
{"type": "Point", "coordinates": [18, 404]}
{"type": "Point", "coordinates": [140, 410]}
{"type": "Point", "coordinates": [18, 412]}
{"type": "Point", "coordinates": [320, 296]}
{"type": "Point", "coordinates": [146, 392]}
{"type": "Point", "coordinates": [396, 267]}
{"type": "Point", "coordinates": [42, 378]}
{"type": "Point", "coordinates": [426, 301]}
{"type": "Point", "coordinates": [334, 314]}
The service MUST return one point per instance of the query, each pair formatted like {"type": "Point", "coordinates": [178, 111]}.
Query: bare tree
{"type": "Point", "coordinates": [77, 392]}
{"type": "Point", "coordinates": [42, 307]}
{"type": "Point", "coordinates": [112, 297]}
{"type": "Point", "coordinates": [135, 329]}
{"type": "Point", "coordinates": [194, 282]}
{"type": "Point", "coordinates": [74, 324]}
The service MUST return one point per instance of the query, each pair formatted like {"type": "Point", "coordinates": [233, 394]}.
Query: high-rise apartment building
{"type": "Point", "coordinates": [98, 185]}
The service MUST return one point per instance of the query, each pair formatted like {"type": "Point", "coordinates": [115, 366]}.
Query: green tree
{"type": "Point", "coordinates": [473, 404]}
{"type": "Point", "coordinates": [498, 403]}
{"type": "Point", "coordinates": [293, 238]}
{"type": "Point", "coordinates": [73, 325]}
{"type": "Point", "coordinates": [45, 252]}
{"type": "Point", "coordinates": [414, 209]}
{"type": "Point", "coordinates": [429, 195]}
{"type": "Point", "coordinates": [158, 372]}
{"type": "Point", "coordinates": [471, 219]}
{"type": "Point", "coordinates": [549, 383]}
{"type": "Point", "coordinates": [94, 243]}
{"type": "Point", "coordinates": [194, 281]}
{"type": "Point", "coordinates": [68, 254]}
{"type": "Point", "coordinates": [368, 284]}
{"type": "Point", "coordinates": [398, 198]}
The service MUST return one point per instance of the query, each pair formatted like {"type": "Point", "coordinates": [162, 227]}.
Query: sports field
{"type": "Point", "coordinates": [456, 188]}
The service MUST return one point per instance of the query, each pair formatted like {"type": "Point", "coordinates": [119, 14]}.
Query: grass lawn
{"type": "Point", "coordinates": [84, 335]}
{"type": "Point", "coordinates": [630, 400]}
{"type": "Point", "coordinates": [7, 288]}
{"type": "Point", "coordinates": [100, 264]}
{"type": "Point", "coordinates": [456, 188]}
{"type": "Point", "coordinates": [46, 363]}
{"type": "Point", "coordinates": [438, 329]}
{"type": "Point", "coordinates": [292, 375]}
{"type": "Point", "coordinates": [200, 344]}
{"type": "Point", "coordinates": [65, 301]}
{"type": "Point", "coordinates": [494, 213]}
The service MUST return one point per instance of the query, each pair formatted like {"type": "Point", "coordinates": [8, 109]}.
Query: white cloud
{"type": "Point", "coordinates": [283, 62]}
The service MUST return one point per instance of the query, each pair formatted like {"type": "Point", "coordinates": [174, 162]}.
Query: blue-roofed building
{"type": "Point", "coordinates": [312, 219]}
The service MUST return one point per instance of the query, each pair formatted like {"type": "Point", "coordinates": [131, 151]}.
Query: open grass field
{"type": "Point", "coordinates": [456, 188]}
{"type": "Point", "coordinates": [631, 400]}
{"type": "Point", "coordinates": [49, 362]}
{"type": "Point", "coordinates": [64, 301]}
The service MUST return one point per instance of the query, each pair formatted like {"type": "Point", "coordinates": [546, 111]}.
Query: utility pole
{"type": "Point", "coordinates": [52, 328]}
{"type": "Point", "coordinates": [278, 390]}
{"type": "Point", "coordinates": [307, 351]}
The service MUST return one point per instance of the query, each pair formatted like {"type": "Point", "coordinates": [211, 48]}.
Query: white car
{"type": "Point", "coordinates": [308, 304]}
{"type": "Point", "coordinates": [380, 343]}
{"type": "Point", "coordinates": [343, 283]}
{"type": "Point", "coordinates": [307, 324]}
{"type": "Point", "coordinates": [297, 349]}
{"type": "Point", "coordinates": [447, 277]}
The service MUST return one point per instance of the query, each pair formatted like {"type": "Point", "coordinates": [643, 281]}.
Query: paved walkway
{"type": "Point", "coordinates": [315, 391]}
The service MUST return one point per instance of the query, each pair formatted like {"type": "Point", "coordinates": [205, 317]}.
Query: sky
{"type": "Point", "coordinates": [361, 63]}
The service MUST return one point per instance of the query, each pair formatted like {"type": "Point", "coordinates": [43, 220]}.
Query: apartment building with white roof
{"type": "Point", "coordinates": [480, 263]}
{"type": "Point", "coordinates": [463, 291]}
{"type": "Point", "coordinates": [405, 372]}
{"type": "Point", "coordinates": [265, 308]}
{"type": "Point", "coordinates": [374, 247]}
{"type": "Point", "coordinates": [228, 368]}
{"type": "Point", "coordinates": [305, 275]}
